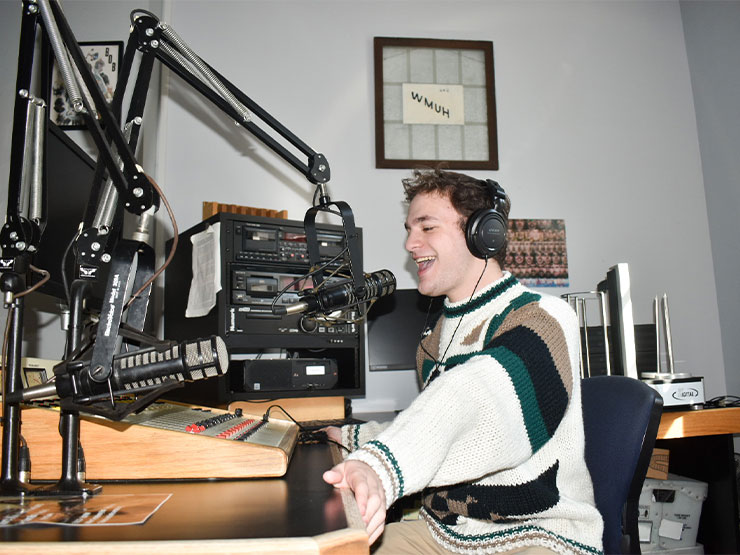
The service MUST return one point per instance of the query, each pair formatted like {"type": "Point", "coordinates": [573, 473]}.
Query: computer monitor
{"type": "Point", "coordinates": [621, 321]}
{"type": "Point", "coordinates": [394, 327]}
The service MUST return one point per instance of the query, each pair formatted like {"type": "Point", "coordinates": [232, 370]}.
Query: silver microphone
{"type": "Point", "coordinates": [139, 370]}
{"type": "Point", "coordinates": [342, 296]}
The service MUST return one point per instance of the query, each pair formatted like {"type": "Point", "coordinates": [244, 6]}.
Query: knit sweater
{"type": "Point", "coordinates": [495, 439]}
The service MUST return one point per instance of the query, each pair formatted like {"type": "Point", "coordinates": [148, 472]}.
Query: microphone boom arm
{"type": "Point", "coordinates": [156, 39]}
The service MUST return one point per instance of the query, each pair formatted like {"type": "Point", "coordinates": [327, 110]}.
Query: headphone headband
{"type": "Point", "coordinates": [495, 190]}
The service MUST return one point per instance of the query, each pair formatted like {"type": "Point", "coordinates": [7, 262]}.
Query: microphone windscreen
{"type": "Point", "coordinates": [205, 358]}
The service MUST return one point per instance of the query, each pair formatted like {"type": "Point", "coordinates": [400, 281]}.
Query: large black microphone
{"type": "Point", "coordinates": [136, 371]}
{"type": "Point", "coordinates": [341, 296]}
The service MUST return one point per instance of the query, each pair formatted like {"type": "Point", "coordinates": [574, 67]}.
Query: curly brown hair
{"type": "Point", "coordinates": [465, 193]}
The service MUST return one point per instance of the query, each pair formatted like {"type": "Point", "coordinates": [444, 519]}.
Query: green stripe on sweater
{"type": "Point", "coordinates": [525, 392]}
{"type": "Point", "coordinates": [383, 448]}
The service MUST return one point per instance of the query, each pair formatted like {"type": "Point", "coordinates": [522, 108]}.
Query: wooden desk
{"type": "Point", "coordinates": [701, 447]}
{"type": "Point", "coordinates": [296, 514]}
{"type": "Point", "coordinates": [703, 422]}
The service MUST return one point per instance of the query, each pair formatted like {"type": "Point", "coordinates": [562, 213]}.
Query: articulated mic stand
{"type": "Point", "coordinates": [10, 482]}
{"type": "Point", "coordinates": [72, 481]}
{"type": "Point", "coordinates": [131, 267]}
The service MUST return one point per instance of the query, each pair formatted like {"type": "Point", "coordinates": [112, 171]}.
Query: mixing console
{"type": "Point", "coordinates": [164, 441]}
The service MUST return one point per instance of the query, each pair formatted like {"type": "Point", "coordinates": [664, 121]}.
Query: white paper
{"type": "Point", "coordinates": [670, 529]}
{"type": "Point", "coordinates": [644, 530]}
{"type": "Point", "coordinates": [206, 271]}
{"type": "Point", "coordinates": [433, 104]}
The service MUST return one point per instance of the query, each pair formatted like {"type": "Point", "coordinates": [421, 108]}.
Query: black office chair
{"type": "Point", "coordinates": [621, 416]}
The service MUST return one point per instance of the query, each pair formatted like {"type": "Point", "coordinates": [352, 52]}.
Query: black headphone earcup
{"type": "Point", "coordinates": [485, 233]}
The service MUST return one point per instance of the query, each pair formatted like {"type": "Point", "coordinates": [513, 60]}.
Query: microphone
{"type": "Point", "coordinates": [342, 296]}
{"type": "Point", "coordinates": [137, 371]}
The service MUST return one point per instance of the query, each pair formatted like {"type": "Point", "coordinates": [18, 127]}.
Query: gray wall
{"type": "Point", "coordinates": [712, 31]}
{"type": "Point", "coordinates": [596, 125]}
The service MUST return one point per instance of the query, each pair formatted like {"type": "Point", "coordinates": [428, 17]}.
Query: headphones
{"type": "Point", "coordinates": [485, 232]}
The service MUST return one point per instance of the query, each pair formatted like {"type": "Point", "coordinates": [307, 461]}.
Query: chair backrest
{"type": "Point", "coordinates": [621, 416]}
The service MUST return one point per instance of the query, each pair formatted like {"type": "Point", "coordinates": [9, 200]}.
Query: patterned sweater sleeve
{"type": "Point", "coordinates": [451, 433]}
{"type": "Point", "coordinates": [355, 435]}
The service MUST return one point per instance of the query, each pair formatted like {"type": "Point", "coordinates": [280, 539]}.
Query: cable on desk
{"type": "Point", "coordinates": [723, 401]}
{"type": "Point", "coordinates": [305, 435]}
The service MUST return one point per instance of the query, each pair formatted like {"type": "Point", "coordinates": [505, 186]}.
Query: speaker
{"type": "Point", "coordinates": [485, 232]}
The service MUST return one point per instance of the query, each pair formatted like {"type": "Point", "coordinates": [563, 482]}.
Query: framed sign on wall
{"type": "Point", "coordinates": [104, 59]}
{"type": "Point", "coordinates": [435, 102]}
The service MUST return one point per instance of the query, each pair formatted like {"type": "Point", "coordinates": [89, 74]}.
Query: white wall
{"type": "Point", "coordinates": [596, 125]}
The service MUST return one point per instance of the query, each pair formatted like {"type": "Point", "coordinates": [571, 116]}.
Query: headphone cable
{"type": "Point", "coordinates": [438, 363]}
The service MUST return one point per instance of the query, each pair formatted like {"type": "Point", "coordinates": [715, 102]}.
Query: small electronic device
{"type": "Point", "coordinates": [678, 389]}
{"type": "Point", "coordinates": [35, 371]}
{"type": "Point", "coordinates": [682, 391]}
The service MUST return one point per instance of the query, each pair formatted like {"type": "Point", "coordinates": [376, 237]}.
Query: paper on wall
{"type": "Point", "coordinates": [206, 280]}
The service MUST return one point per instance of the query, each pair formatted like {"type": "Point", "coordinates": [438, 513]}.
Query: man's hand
{"type": "Point", "coordinates": [368, 490]}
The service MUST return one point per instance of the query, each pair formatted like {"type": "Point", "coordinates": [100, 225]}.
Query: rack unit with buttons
{"type": "Point", "coordinates": [261, 259]}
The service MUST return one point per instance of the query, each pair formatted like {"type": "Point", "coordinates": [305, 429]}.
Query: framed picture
{"type": "Point", "coordinates": [104, 59]}
{"type": "Point", "coordinates": [435, 102]}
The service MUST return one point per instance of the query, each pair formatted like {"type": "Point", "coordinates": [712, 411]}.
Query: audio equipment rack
{"type": "Point", "coordinates": [164, 441]}
{"type": "Point", "coordinates": [259, 258]}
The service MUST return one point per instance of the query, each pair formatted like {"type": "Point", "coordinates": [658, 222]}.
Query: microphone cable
{"type": "Point", "coordinates": [9, 318]}
{"type": "Point", "coordinates": [323, 285]}
{"type": "Point", "coordinates": [305, 435]}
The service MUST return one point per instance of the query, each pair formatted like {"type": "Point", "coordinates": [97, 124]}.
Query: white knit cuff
{"type": "Point", "coordinates": [378, 457]}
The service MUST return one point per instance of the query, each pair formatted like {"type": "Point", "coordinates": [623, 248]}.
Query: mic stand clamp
{"type": "Point", "coordinates": [350, 234]}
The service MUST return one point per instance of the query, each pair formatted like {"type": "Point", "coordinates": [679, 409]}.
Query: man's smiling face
{"type": "Point", "coordinates": [437, 244]}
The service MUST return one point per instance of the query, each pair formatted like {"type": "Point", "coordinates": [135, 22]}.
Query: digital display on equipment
{"type": "Point", "coordinates": [294, 237]}
{"type": "Point", "coordinates": [394, 327]}
{"type": "Point", "coordinates": [260, 235]}
{"type": "Point", "coordinates": [261, 285]}
{"type": "Point", "coordinates": [291, 283]}
{"type": "Point", "coordinates": [259, 240]}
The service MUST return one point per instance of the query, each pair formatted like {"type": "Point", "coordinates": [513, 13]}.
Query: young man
{"type": "Point", "coordinates": [495, 439]}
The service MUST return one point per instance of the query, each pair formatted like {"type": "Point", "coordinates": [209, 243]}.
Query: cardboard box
{"type": "Point", "coordinates": [658, 468]}
{"type": "Point", "coordinates": [670, 511]}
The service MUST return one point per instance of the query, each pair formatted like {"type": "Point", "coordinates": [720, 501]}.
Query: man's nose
{"type": "Point", "coordinates": [412, 241]}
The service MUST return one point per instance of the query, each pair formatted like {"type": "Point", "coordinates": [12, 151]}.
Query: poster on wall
{"type": "Point", "coordinates": [536, 252]}
{"type": "Point", "coordinates": [104, 59]}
